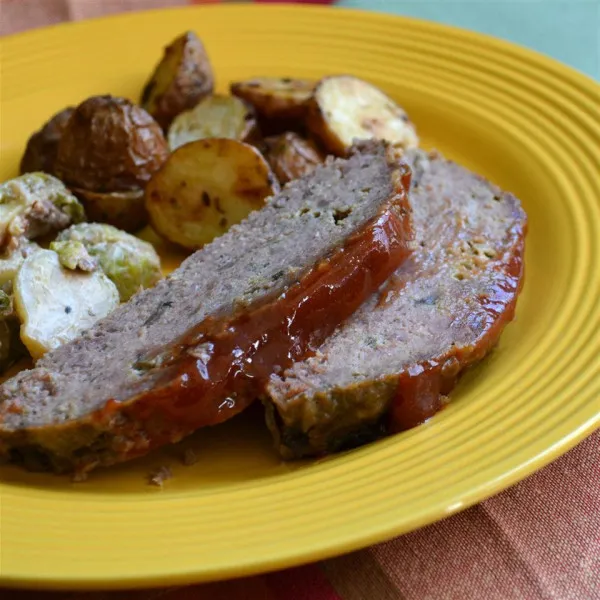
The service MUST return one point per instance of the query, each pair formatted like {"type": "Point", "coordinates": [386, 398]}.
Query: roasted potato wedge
{"type": "Point", "coordinates": [291, 156]}
{"type": "Point", "coordinates": [55, 305]}
{"type": "Point", "coordinates": [214, 117]}
{"type": "Point", "coordinates": [344, 108]}
{"type": "Point", "coordinates": [124, 210]}
{"type": "Point", "coordinates": [42, 147]}
{"type": "Point", "coordinates": [205, 187]}
{"type": "Point", "coordinates": [181, 79]}
{"type": "Point", "coordinates": [276, 98]}
{"type": "Point", "coordinates": [110, 145]}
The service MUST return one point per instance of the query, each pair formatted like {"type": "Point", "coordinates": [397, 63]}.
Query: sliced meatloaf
{"type": "Point", "coordinates": [199, 347]}
{"type": "Point", "coordinates": [390, 366]}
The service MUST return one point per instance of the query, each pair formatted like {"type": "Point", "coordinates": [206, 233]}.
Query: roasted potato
{"type": "Point", "coordinates": [214, 117]}
{"type": "Point", "coordinates": [291, 156]}
{"type": "Point", "coordinates": [206, 186]}
{"type": "Point", "coordinates": [33, 205]}
{"type": "Point", "coordinates": [279, 99]}
{"type": "Point", "coordinates": [181, 79]}
{"type": "Point", "coordinates": [55, 304]}
{"type": "Point", "coordinates": [42, 147]}
{"type": "Point", "coordinates": [130, 263]}
{"type": "Point", "coordinates": [123, 210]}
{"type": "Point", "coordinates": [344, 108]}
{"type": "Point", "coordinates": [110, 145]}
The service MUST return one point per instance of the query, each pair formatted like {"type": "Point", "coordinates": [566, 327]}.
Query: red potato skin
{"type": "Point", "coordinates": [110, 145]}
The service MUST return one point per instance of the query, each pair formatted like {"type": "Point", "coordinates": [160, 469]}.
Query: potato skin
{"type": "Point", "coordinates": [278, 99]}
{"type": "Point", "coordinates": [110, 145]}
{"type": "Point", "coordinates": [344, 108]}
{"type": "Point", "coordinates": [215, 116]}
{"type": "Point", "coordinates": [205, 187]}
{"type": "Point", "coordinates": [181, 79]}
{"type": "Point", "coordinates": [42, 147]}
{"type": "Point", "coordinates": [292, 156]}
{"type": "Point", "coordinates": [123, 210]}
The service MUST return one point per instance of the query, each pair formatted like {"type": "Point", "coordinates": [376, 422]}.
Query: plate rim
{"type": "Point", "coordinates": [328, 548]}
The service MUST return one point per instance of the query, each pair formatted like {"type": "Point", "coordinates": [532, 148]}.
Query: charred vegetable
{"type": "Point", "coordinates": [130, 263]}
{"type": "Point", "coordinates": [214, 117]}
{"type": "Point", "coordinates": [280, 99]}
{"type": "Point", "coordinates": [55, 304]}
{"type": "Point", "coordinates": [291, 156]}
{"type": "Point", "coordinates": [110, 145]}
{"type": "Point", "coordinates": [33, 205]}
{"type": "Point", "coordinates": [205, 187]}
{"type": "Point", "coordinates": [182, 78]}
{"type": "Point", "coordinates": [42, 147]}
{"type": "Point", "coordinates": [344, 108]}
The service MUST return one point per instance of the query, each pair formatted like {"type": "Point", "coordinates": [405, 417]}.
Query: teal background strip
{"type": "Point", "coordinates": [568, 31]}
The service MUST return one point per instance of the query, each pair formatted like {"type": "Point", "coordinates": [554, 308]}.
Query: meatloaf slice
{"type": "Point", "coordinates": [390, 366]}
{"type": "Point", "coordinates": [200, 346]}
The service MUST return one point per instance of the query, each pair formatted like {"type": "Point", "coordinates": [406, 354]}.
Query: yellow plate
{"type": "Point", "coordinates": [524, 121]}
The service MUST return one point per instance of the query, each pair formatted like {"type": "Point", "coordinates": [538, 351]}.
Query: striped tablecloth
{"type": "Point", "coordinates": [538, 540]}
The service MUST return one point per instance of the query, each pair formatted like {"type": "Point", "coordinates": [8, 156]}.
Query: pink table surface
{"type": "Point", "coordinates": [538, 540]}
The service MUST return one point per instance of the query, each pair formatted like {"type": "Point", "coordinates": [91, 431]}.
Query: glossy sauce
{"type": "Point", "coordinates": [422, 389]}
{"type": "Point", "coordinates": [222, 366]}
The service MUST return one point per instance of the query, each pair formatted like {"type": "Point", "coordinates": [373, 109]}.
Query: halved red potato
{"type": "Point", "coordinates": [291, 156]}
{"type": "Point", "coordinates": [343, 109]}
{"type": "Point", "coordinates": [274, 97]}
{"type": "Point", "coordinates": [205, 187]}
{"type": "Point", "coordinates": [214, 117]}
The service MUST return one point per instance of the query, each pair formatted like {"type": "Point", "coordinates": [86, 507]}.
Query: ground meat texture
{"type": "Point", "coordinates": [199, 347]}
{"type": "Point", "coordinates": [391, 365]}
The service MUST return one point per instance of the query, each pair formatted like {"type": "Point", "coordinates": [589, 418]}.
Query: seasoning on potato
{"type": "Point", "coordinates": [42, 146]}
{"type": "Point", "coordinates": [292, 156]}
{"type": "Point", "coordinates": [344, 108]}
{"type": "Point", "coordinates": [205, 187]}
{"type": "Point", "coordinates": [276, 98]}
{"type": "Point", "coordinates": [110, 145]}
{"type": "Point", "coordinates": [33, 205]}
{"type": "Point", "coordinates": [181, 79]}
{"type": "Point", "coordinates": [214, 117]}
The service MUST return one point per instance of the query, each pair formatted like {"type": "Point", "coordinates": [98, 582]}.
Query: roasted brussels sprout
{"type": "Point", "coordinates": [181, 79]}
{"type": "Point", "coordinates": [36, 204]}
{"type": "Point", "coordinates": [110, 145]}
{"type": "Point", "coordinates": [6, 306]}
{"type": "Point", "coordinates": [74, 255]}
{"type": "Point", "coordinates": [129, 262]}
{"type": "Point", "coordinates": [42, 147]}
{"type": "Point", "coordinates": [55, 304]}
{"type": "Point", "coordinates": [11, 260]}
